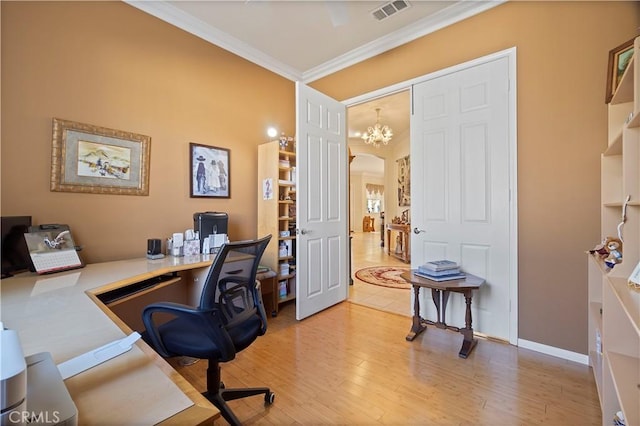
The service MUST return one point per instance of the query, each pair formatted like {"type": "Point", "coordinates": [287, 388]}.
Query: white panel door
{"type": "Point", "coordinates": [322, 276]}
{"type": "Point", "coordinates": [460, 174]}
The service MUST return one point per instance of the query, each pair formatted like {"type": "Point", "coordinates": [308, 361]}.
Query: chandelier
{"type": "Point", "coordinates": [377, 134]}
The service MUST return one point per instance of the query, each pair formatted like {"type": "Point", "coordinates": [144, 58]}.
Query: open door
{"type": "Point", "coordinates": [322, 277]}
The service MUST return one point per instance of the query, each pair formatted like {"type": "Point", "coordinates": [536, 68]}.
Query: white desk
{"type": "Point", "coordinates": [59, 314]}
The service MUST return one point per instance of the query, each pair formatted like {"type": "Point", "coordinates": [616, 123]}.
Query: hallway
{"type": "Point", "coordinates": [366, 252]}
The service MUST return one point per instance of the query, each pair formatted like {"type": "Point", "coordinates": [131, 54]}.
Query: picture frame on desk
{"type": "Point", "coordinates": [98, 160]}
{"type": "Point", "coordinates": [619, 59]}
{"type": "Point", "coordinates": [210, 171]}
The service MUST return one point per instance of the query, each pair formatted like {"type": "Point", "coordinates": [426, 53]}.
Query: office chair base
{"type": "Point", "coordinates": [185, 361]}
{"type": "Point", "coordinates": [218, 394]}
{"type": "Point", "coordinates": [220, 400]}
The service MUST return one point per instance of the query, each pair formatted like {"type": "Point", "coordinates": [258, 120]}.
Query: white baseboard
{"type": "Point", "coordinates": [553, 351]}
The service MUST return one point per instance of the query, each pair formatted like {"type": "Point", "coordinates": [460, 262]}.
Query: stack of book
{"type": "Point", "coordinates": [440, 270]}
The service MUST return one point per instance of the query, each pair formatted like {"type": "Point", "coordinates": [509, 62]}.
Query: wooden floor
{"type": "Point", "coordinates": [351, 365]}
{"type": "Point", "coordinates": [366, 252]}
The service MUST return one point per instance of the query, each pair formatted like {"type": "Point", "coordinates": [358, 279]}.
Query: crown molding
{"type": "Point", "coordinates": [177, 17]}
{"type": "Point", "coordinates": [449, 16]}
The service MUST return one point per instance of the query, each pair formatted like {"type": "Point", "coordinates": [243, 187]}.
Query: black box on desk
{"type": "Point", "coordinates": [208, 223]}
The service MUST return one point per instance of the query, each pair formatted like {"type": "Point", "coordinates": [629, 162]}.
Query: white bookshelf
{"type": "Point", "coordinates": [277, 216]}
{"type": "Point", "coordinates": [614, 306]}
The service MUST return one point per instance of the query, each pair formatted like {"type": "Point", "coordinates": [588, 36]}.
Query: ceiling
{"type": "Point", "coordinates": [394, 112]}
{"type": "Point", "coordinates": [367, 164]}
{"type": "Point", "coordinates": [304, 40]}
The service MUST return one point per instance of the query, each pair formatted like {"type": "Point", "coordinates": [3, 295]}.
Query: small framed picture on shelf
{"type": "Point", "coordinates": [209, 171]}
{"type": "Point", "coordinates": [619, 59]}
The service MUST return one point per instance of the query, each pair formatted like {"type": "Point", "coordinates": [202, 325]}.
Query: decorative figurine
{"type": "Point", "coordinates": [614, 246]}
{"type": "Point", "coordinates": [600, 249]}
{"type": "Point", "coordinates": [283, 142]}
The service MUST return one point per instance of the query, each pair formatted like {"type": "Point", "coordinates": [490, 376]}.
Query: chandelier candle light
{"type": "Point", "coordinates": [378, 134]}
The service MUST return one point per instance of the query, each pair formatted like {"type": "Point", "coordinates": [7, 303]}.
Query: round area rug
{"type": "Point", "coordinates": [386, 276]}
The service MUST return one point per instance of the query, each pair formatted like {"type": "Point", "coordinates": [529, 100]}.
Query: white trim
{"type": "Point", "coordinates": [513, 158]}
{"type": "Point", "coordinates": [175, 16]}
{"type": "Point", "coordinates": [407, 84]}
{"type": "Point", "coordinates": [430, 24]}
{"type": "Point", "coordinates": [179, 18]}
{"type": "Point", "coordinates": [513, 195]}
{"type": "Point", "coordinates": [553, 351]}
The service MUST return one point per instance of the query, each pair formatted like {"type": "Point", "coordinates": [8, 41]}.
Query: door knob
{"type": "Point", "coordinates": [302, 231]}
{"type": "Point", "coordinates": [417, 230]}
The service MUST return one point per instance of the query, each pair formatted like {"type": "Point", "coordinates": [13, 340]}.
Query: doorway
{"type": "Point", "coordinates": [374, 182]}
{"type": "Point", "coordinates": [510, 239]}
{"type": "Point", "coordinates": [366, 193]}
{"type": "Point", "coordinates": [366, 168]}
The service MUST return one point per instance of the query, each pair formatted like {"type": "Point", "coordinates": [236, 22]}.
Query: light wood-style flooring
{"type": "Point", "coordinates": [366, 252]}
{"type": "Point", "coordinates": [351, 365]}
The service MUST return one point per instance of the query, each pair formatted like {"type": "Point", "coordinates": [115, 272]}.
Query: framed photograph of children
{"type": "Point", "coordinates": [209, 171]}
{"type": "Point", "coordinates": [619, 59]}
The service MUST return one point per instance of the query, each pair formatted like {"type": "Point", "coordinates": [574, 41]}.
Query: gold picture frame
{"type": "Point", "coordinates": [619, 59]}
{"type": "Point", "coordinates": [97, 160]}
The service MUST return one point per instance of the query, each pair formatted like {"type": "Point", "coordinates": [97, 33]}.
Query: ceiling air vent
{"type": "Point", "coordinates": [389, 9]}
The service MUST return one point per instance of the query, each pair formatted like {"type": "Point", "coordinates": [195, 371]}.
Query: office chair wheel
{"type": "Point", "coordinates": [269, 398]}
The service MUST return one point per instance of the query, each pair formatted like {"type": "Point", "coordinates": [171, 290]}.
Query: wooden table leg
{"type": "Point", "coordinates": [441, 307]}
{"type": "Point", "coordinates": [388, 241]}
{"type": "Point", "coordinates": [418, 325]}
{"type": "Point", "coordinates": [468, 343]}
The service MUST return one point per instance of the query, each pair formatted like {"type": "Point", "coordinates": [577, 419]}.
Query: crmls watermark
{"type": "Point", "coordinates": [42, 417]}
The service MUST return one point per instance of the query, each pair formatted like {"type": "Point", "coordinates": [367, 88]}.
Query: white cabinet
{"type": "Point", "coordinates": [614, 306]}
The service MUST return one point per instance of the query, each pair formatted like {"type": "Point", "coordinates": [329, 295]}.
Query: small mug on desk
{"type": "Point", "coordinates": [154, 246]}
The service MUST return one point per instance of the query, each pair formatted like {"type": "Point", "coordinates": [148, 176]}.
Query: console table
{"type": "Point", "coordinates": [440, 291]}
{"type": "Point", "coordinates": [401, 249]}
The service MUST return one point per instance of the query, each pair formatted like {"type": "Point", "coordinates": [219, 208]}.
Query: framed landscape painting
{"type": "Point", "coordinates": [98, 160]}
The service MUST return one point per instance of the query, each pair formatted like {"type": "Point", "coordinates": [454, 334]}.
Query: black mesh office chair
{"type": "Point", "coordinates": [229, 317]}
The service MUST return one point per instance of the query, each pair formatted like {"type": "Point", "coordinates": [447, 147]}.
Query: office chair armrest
{"type": "Point", "coordinates": [208, 319]}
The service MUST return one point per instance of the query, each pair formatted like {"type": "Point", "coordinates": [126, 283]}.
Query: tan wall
{"type": "Point", "coordinates": [111, 65]}
{"type": "Point", "coordinates": [562, 51]}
